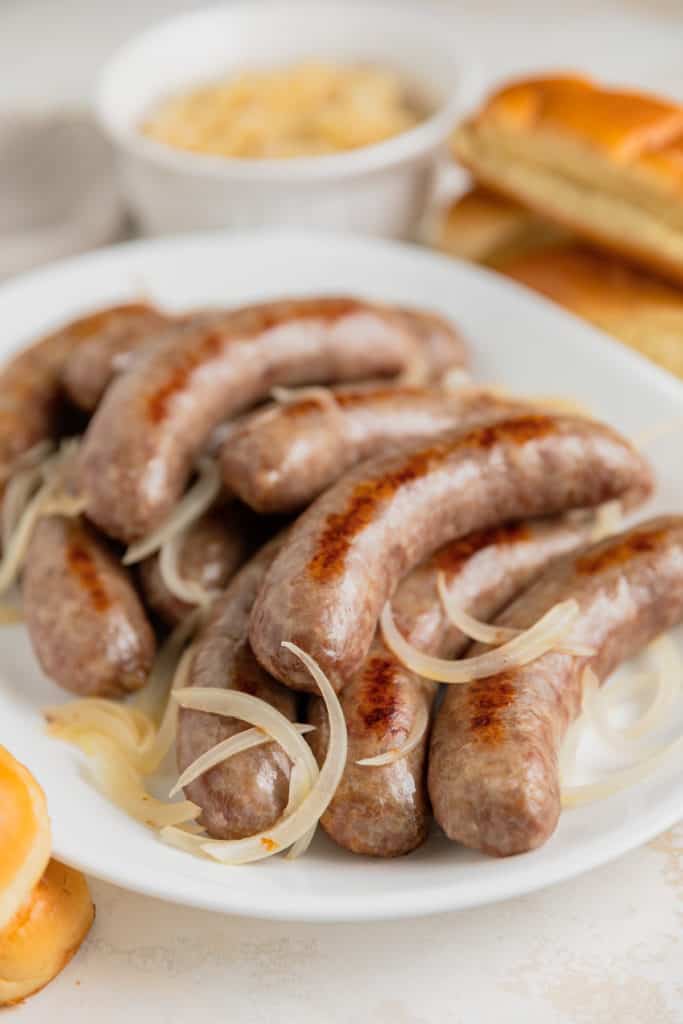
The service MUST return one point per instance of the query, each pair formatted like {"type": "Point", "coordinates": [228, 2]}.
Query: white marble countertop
{"type": "Point", "coordinates": [607, 947]}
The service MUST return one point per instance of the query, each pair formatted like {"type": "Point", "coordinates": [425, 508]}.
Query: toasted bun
{"type": "Point", "coordinates": [640, 310]}
{"type": "Point", "coordinates": [604, 163]}
{"type": "Point", "coordinates": [487, 228]}
{"type": "Point", "coordinates": [45, 933]}
{"type": "Point", "coordinates": [25, 834]}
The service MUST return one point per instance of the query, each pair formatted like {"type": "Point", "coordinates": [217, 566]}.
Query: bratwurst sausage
{"type": "Point", "coordinates": [142, 442]}
{"type": "Point", "coordinates": [88, 370]}
{"type": "Point", "coordinates": [85, 620]}
{"type": "Point", "coordinates": [383, 810]}
{"type": "Point", "coordinates": [347, 552]}
{"type": "Point", "coordinates": [279, 459]}
{"type": "Point", "coordinates": [444, 345]}
{"type": "Point", "coordinates": [493, 769]}
{"type": "Point", "coordinates": [30, 387]}
{"type": "Point", "coordinates": [248, 792]}
{"type": "Point", "coordinates": [211, 552]}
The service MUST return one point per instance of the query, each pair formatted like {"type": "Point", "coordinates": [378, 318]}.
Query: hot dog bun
{"type": "Point", "coordinates": [488, 228]}
{"type": "Point", "coordinates": [605, 163]}
{"type": "Point", "coordinates": [643, 311]}
{"type": "Point", "coordinates": [46, 907]}
{"type": "Point", "coordinates": [640, 310]}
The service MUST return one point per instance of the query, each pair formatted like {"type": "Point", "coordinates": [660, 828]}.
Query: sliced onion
{"type": "Point", "coordinates": [574, 796]}
{"type": "Point", "coordinates": [20, 487]}
{"type": "Point", "coordinates": [220, 752]}
{"type": "Point", "coordinates": [297, 824]}
{"type": "Point", "coordinates": [414, 737]}
{"type": "Point", "coordinates": [189, 591]}
{"type": "Point", "coordinates": [529, 645]}
{"type": "Point", "coordinates": [45, 502]}
{"type": "Point", "coordinates": [608, 521]}
{"type": "Point", "coordinates": [153, 697]}
{"type": "Point", "coordinates": [176, 835]}
{"type": "Point", "coordinates": [486, 633]}
{"type": "Point", "coordinates": [192, 505]}
{"type": "Point", "coordinates": [669, 666]}
{"type": "Point", "coordinates": [129, 728]}
{"type": "Point", "coordinates": [27, 475]}
{"type": "Point", "coordinates": [257, 712]}
{"type": "Point", "coordinates": [467, 624]}
{"type": "Point", "coordinates": [166, 733]}
{"type": "Point", "coordinates": [666, 687]}
{"type": "Point", "coordinates": [115, 777]}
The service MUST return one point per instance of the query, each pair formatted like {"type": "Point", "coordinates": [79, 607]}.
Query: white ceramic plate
{"type": "Point", "coordinates": [517, 340]}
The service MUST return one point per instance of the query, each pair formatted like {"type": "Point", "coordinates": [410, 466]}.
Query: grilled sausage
{"type": "Point", "coordinates": [85, 620]}
{"type": "Point", "coordinates": [249, 792]}
{"type": "Point", "coordinates": [88, 370]}
{"type": "Point", "coordinates": [142, 442]}
{"type": "Point", "coordinates": [279, 459]}
{"type": "Point", "coordinates": [347, 552]}
{"type": "Point", "coordinates": [493, 771]}
{"type": "Point", "coordinates": [444, 344]}
{"type": "Point", "coordinates": [214, 548]}
{"type": "Point", "coordinates": [383, 810]}
{"type": "Point", "coordinates": [30, 393]}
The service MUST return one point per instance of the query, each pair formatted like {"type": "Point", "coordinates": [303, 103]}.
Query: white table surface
{"type": "Point", "coordinates": [607, 947]}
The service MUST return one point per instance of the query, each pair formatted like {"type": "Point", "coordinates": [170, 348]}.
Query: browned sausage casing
{"type": "Point", "coordinates": [214, 548]}
{"type": "Point", "coordinates": [249, 792]}
{"type": "Point", "coordinates": [141, 444]}
{"type": "Point", "coordinates": [347, 552]}
{"type": "Point", "coordinates": [279, 459]}
{"type": "Point", "coordinates": [445, 347]}
{"type": "Point", "coordinates": [493, 763]}
{"type": "Point", "coordinates": [384, 811]}
{"type": "Point", "coordinates": [88, 370]}
{"type": "Point", "coordinates": [85, 620]}
{"type": "Point", "coordinates": [30, 382]}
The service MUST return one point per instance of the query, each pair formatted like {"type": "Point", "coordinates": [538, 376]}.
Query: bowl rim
{"type": "Point", "coordinates": [415, 143]}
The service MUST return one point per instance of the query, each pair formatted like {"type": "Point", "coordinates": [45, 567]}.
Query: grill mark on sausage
{"type": "Point", "coordinates": [487, 698]}
{"type": "Point", "coordinates": [378, 703]}
{"type": "Point", "coordinates": [634, 544]}
{"type": "Point", "coordinates": [452, 558]}
{"type": "Point", "coordinates": [341, 527]}
{"type": "Point", "coordinates": [96, 322]}
{"type": "Point", "coordinates": [158, 403]}
{"type": "Point", "coordinates": [352, 399]}
{"type": "Point", "coordinates": [83, 566]}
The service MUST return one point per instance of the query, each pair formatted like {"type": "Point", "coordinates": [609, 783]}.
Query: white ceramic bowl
{"type": "Point", "coordinates": [379, 189]}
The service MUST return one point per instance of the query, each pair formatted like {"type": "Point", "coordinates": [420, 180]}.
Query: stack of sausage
{"type": "Point", "coordinates": [359, 489]}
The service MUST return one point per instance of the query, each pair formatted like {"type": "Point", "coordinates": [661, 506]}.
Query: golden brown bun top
{"type": "Point", "coordinates": [642, 311]}
{"type": "Point", "coordinates": [585, 280]}
{"type": "Point", "coordinates": [485, 227]}
{"type": "Point", "coordinates": [45, 933]}
{"type": "Point", "coordinates": [621, 124]}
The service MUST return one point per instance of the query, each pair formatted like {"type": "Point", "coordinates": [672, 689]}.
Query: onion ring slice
{"type": "Point", "coordinates": [529, 645]}
{"type": "Point", "coordinates": [191, 506]}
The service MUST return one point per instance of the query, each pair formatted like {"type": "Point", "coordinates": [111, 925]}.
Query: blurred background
{"type": "Point", "coordinates": [52, 52]}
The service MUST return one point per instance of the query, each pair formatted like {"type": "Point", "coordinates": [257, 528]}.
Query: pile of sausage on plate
{"type": "Point", "coordinates": [366, 477]}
